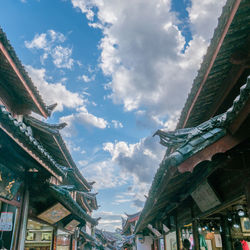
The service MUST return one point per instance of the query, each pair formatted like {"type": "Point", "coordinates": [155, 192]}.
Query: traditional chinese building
{"type": "Point", "coordinates": [106, 240]}
{"type": "Point", "coordinates": [45, 202]}
{"type": "Point", "coordinates": [128, 224]}
{"type": "Point", "coordinates": [128, 227]}
{"type": "Point", "coordinates": [201, 189]}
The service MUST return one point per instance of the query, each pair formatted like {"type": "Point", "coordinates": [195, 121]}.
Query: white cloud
{"type": "Point", "coordinates": [50, 43]}
{"type": "Point", "coordinates": [146, 63]}
{"type": "Point", "coordinates": [171, 122]}
{"type": "Point", "coordinates": [86, 78]}
{"type": "Point", "coordinates": [140, 159]}
{"type": "Point", "coordinates": [54, 92]}
{"type": "Point", "coordinates": [150, 73]}
{"type": "Point", "coordinates": [83, 163]}
{"type": "Point", "coordinates": [85, 7]}
{"type": "Point", "coordinates": [38, 42]}
{"type": "Point", "coordinates": [204, 16]}
{"type": "Point", "coordinates": [72, 147]}
{"type": "Point", "coordinates": [104, 173]}
{"type": "Point", "coordinates": [109, 220]}
{"type": "Point", "coordinates": [117, 124]}
{"type": "Point", "coordinates": [62, 57]}
{"type": "Point", "coordinates": [84, 118]}
{"type": "Point", "coordinates": [77, 149]}
{"type": "Point", "coordinates": [120, 201]}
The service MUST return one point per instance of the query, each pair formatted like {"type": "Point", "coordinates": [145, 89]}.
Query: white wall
{"type": "Point", "coordinates": [88, 228]}
{"type": "Point", "coordinates": [171, 240]}
{"type": "Point", "coordinates": [146, 245]}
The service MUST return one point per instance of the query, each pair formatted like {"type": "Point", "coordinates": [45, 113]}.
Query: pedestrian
{"type": "Point", "coordinates": [238, 245]}
{"type": "Point", "coordinates": [186, 244]}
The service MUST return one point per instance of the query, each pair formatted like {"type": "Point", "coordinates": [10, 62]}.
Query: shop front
{"type": "Point", "coordinates": [204, 183]}
{"type": "Point", "coordinates": [224, 229]}
{"type": "Point", "coordinates": [8, 224]}
{"type": "Point", "coordinates": [10, 204]}
{"type": "Point", "coordinates": [39, 236]}
{"type": "Point", "coordinates": [63, 240]}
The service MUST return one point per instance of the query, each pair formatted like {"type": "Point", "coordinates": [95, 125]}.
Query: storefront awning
{"type": "Point", "coordinates": [64, 197]}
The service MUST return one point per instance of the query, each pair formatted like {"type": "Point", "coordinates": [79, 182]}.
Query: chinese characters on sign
{"type": "Point", "coordinates": [6, 221]}
{"type": "Point", "coordinates": [205, 197]}
{"type": "Point", "coordinates": [9, 184]}
{"type": "Point", "coordinates": [54, 214]}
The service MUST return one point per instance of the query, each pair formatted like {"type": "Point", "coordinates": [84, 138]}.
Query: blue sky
{"type": "Point", "coordinates": [119, 70]}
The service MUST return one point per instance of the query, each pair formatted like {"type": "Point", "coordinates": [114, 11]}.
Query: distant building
{"type": "Point", "coordinates": [107, 240]}
{"type": "Point", "coordinates": [128, 227]}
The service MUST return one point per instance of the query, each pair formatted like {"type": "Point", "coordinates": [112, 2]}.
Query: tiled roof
{"type": "Point", "coordinates": [236, 38]}
{"type": "Point", "coordinates": [132, 216]}
{"type": "Point", "coordinates": [13, 80]}
{"type": "Point", "coordinates": [65, 198]}
{"type": "Point", "coordinates": [22, 133]}
{"type": "Point", "coordinates": [108, 236]}
{"type": "Point", "coordinates": [46, 133]}
{"type": "Point", "coordinates": [192, 141]}
{"type": "Point", "coordinates": [88, 236]}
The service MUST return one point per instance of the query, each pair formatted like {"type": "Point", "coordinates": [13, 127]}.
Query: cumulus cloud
{"type": "Point", "coordinates": [147, 63]}
{"type": "Point", "coordinates": [140, 159]}
{"type": "Point", "coordinates": [200, 14]}
{"type": "Point", "coordinates": [50, 43]}
{"type": "Point", "coordinates": [82, 117]}
{"type": "Point", "coordinates": [151, 70]}
{"type": "Point", "coordinates": [54, 92]}
{"type": "Point", "coordinates": [104, 173]}
{"type": "Point", "coordinates": [138, 162]}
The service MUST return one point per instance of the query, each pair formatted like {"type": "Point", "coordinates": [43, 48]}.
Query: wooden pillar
{"type": "Point", "coordinates": [225, 234]}
{"type": "Point", "coordinates": [165, 241]}
{"type": "Point", "coordinates": [196, 234]}
{"type": "Point", "coordinates": [195, 230]}
{"type": "Point", "coordinates": [23, 219]}
{"type": "Point", "coordinates": [71, 242]}
{"type": "Point", "coordinates": [247, 191]}
{"type": "Point", "coordinates": [178, 238]}
{"type": "Point", "coordinates": [178, 235]}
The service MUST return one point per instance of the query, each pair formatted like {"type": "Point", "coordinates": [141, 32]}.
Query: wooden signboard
{"type": "Point", "coordinates": [72, 225]}
{"type": "Point", "coordinates": [54, 214]}
{"type": "Point", "coordinates": [205, 197]}
{"type": "Point", "coordinates": [6, 221]}
{"type": "Point", "coordinates": [9, 183]}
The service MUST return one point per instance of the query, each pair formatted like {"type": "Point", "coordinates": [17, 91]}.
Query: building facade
{"type": "Point", "coordinates": [200, 192]}
{"type": "Point", "coordinates": [45, 202]}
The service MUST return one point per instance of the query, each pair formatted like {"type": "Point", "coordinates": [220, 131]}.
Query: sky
{"type": "Point", "coordinates": [118, 70]}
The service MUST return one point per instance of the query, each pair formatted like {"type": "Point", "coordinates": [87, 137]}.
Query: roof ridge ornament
{"type": "Point", "coordinates": [182, 136]}
{"type": "Point", "coordinates": [51, 107]}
